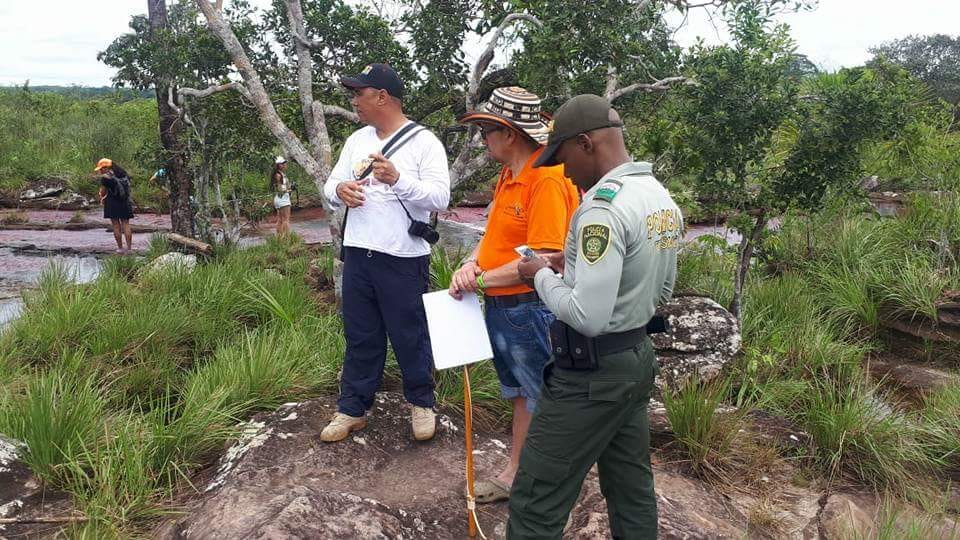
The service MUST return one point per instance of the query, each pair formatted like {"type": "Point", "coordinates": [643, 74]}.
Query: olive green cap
{"type": "Point", "coordinates": [579, 114]}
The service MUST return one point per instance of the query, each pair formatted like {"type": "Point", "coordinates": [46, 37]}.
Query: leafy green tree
{"type": "Point", "coordinates": [173, 58]}
{"type": "Point", "coordinates": [934, 59]}
{"type": "Point", "coordinates": [761, 139]}
{"type": "Point", "coordinates": [727, 122]}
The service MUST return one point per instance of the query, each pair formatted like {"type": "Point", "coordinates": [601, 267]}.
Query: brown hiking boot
{"type": "Point", "coordinates": [424, 422]}
{"type": "Point", "coordinates": [340, 426]}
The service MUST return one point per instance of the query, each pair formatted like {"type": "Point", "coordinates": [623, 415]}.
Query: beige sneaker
{"type": "Point", "coordinates": [340, 426]}
{"type": "Point", "coordinates": [424, 422]}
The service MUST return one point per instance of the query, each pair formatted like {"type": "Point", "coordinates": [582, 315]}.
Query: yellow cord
{"type": "Point", "coordinates": [472, 508]}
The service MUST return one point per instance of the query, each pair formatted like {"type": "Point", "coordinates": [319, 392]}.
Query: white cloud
{"type": "Point", "coordinates": [57, 41]}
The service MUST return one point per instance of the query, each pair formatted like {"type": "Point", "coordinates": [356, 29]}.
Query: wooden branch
{"type": "Point", "coordinates": [333, 110]}
{"type": "Point", "coordinates": [42, 519]}
{"type": "Point", "coordinates": [315, 125]}
{"type": "Point", "coordinates": [190, 243]}
{"type": "Point", "coordinates": [612, 80]}
{"type": "Point", "coordinates": [661, 85]}
{"type": "Point", "coordinates": [465, 164]}
{"type": "Point", "coordinates": [483, 61]}
{"type": "Point", "coordinates": [292, 146]}
{"type": "Point", "coordinates": [299, 34]}
{"type": "Point", "coordinates": [213, 89]}
{"type": "Point", "coordinates": [475, 165]}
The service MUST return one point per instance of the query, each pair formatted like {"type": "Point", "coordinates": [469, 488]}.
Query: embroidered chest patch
{"type": "Point", "coordinates": [594, 241]}
{"type": "Point", "coordinates": [608, 190]}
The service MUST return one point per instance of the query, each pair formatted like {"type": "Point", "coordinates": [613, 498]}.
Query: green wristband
{"type": "Point", "coordinates": [480, 280]}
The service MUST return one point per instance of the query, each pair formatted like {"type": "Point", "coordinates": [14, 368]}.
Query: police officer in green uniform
{"type": "Point", "coordinates": [619, 263]}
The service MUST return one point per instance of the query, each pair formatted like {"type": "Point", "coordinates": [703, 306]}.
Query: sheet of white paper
{"type": "Point", "coordinates": [458, 334]}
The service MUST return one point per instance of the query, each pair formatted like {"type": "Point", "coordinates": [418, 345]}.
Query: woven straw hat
{"type": "Point", "coordinates": [515, 108]}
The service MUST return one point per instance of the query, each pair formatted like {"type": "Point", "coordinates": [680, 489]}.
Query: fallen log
{"type": "Point", "coordinates": [190, 244]}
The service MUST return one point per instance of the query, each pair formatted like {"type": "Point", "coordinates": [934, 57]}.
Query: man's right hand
{"type": "Point", "coordinates": [464, 280]}
{"type": "Point", "coordinates": [351, 193]}
{"type": "Point", "coordinates": [555, 259]}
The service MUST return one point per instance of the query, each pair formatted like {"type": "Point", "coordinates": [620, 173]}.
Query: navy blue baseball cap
{"type": "Point", "coordinates": [379, 76]}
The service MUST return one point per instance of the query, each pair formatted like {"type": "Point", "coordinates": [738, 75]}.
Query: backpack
{"type": "Point", "coordinates": [120, 187]}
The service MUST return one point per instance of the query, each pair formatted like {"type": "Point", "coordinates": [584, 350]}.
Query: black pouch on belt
{"type": "Point", "coordinates": [571, 349]}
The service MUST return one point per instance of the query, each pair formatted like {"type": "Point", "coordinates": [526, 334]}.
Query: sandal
{"type": "Point", "coordinates": [490, 491]}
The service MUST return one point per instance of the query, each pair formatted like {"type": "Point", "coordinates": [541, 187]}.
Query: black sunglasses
{"type": "Point", "coordinates": [485, 131]}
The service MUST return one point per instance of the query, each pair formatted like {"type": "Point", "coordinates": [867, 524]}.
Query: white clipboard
{"type": "Point", "coordinates": [458, 333]}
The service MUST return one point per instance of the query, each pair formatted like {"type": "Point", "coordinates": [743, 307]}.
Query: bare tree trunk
{"type": "Point", "coordinates": [467, 161]}
{"type": "Point", "coordinates": [172, 138]}
{"type": "Point", "coordinates": [317, 161]}
{"type": "Point", "coordinates": [745, 253]}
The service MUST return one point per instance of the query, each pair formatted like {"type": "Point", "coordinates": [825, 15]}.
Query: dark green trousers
{"type": "Point", "coordinates": [582, 418]}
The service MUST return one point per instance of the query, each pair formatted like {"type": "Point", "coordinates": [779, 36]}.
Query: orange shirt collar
{"type": "Point", "coordinates": [506, 175]}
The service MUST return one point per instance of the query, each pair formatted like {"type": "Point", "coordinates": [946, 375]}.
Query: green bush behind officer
{"type": "Point", "coordinates": [618, 264]}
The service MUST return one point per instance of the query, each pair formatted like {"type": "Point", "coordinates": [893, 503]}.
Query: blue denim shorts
{"type": "Point", "coordinates": [520, 337]}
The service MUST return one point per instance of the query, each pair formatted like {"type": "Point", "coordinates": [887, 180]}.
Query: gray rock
{"type": "Point", "coordinates": [460, 237]}
{"type": "Point", "coordinates": [857, 515]}
{"type": "Point", "coordinates": [171, 261]}
{"type": "Point", "coordinates": [66, 200]}
{"type": "Point", "coordinates": [870, 183]}
{"type": "Point", "coordinates": [477, 199]}
{"type": "Point", "coordinates": [22, 496]}
{"type": "Point", "coordinates": [41, 192]}
{"type": "Point", "coordinates": [279, 481]}
{"type": "Point", "coordinates": [703, 338]}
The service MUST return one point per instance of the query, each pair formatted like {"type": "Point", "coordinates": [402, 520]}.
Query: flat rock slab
{"type": "Point", "coordinates": [912, 381]}
{"type": "Point", "coordinates": [22, 496]}
{"type": "Point", "coordinates": [96, 241]}
{"type": "Point", "coordinates": [856, 515]}
{"type": "Point", "coordinates": [280, 481]}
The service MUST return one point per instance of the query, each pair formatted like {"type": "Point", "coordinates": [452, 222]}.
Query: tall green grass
{"type": "Point", "coordinates": [703, 435]}
{"type": "Point", "coordinates": [123, 387]}
{"type": "Point", "coordinates": [941, 412]}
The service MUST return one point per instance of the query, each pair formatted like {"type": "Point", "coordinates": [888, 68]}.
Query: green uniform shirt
{"type": "Point", "coordinates": [620, 254]}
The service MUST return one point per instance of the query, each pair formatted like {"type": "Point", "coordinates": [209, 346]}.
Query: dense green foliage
{"type": "Point", "coordinates": [934, 59]}
{"type": "Point", "coordinates": [47, 137]}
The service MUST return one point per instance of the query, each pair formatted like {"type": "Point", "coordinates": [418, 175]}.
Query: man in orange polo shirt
{"type": "Point", "coordinates": [532, 207]}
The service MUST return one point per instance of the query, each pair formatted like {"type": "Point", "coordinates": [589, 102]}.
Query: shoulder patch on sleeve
{"type": "Point", "coordinates": [608, 190]}
{"type": "Point", "coordinates": [594, 241]}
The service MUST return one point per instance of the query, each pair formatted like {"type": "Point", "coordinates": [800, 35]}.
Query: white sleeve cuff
{"type": "Point", "coordinates": [542, 274]}
{"type": "Point", "coordinates": [402, 185]}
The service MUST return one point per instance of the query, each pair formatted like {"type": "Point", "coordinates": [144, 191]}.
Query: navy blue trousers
{"type": "Point", "coordinates": [382, 297]}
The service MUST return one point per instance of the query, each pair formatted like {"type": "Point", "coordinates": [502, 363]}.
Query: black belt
{"type": "Point", "coordinates": [511, 300]}
{"type": "Point", "coordinates": [620, 341]}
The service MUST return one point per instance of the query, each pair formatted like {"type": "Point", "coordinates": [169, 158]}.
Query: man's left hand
{"type": "Point", "coordinates": [383, 169]}
{"type": "Point", "coordinates": [528, 267]}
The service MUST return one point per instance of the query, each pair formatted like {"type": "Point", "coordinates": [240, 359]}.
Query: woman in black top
{"type": "Point", "coordinates": [117, 204]}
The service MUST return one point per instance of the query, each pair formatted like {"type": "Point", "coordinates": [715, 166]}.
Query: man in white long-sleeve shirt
{"type": "Point", "coordinates": [386, 269]}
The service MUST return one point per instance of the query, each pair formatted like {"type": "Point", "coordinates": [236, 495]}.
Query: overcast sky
{"type": "Point", "coordinates": [56, 41]}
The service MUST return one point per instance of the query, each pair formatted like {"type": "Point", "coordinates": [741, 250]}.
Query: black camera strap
{"type": "Point", "coordinates": [388, 150]}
